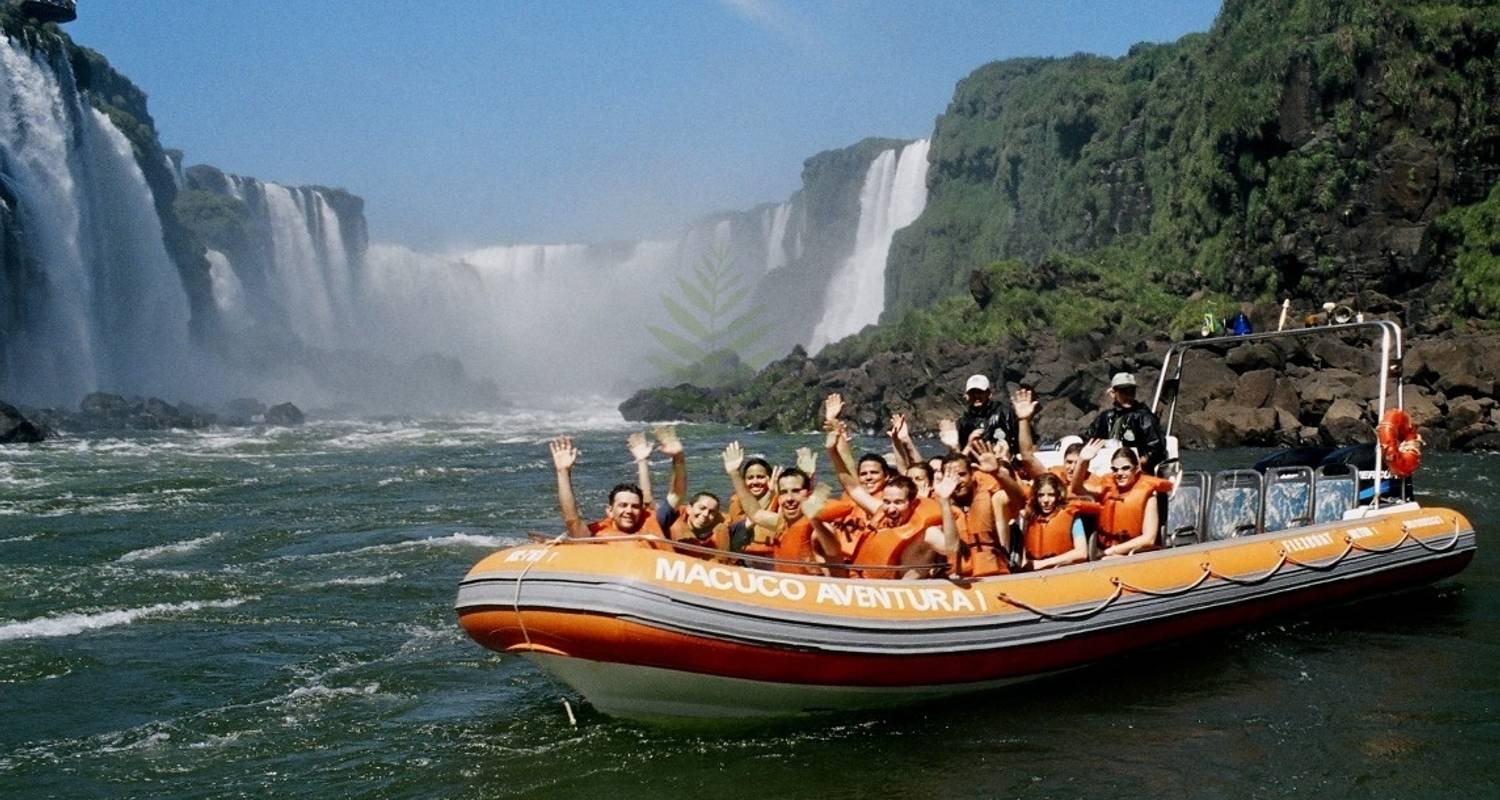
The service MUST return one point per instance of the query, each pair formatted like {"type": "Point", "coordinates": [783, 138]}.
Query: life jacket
{"type": "Point", "coordinates": [737, 511]}
{"type": "Point", "coordinates": [886, 546]}
{"type": "Point", "coordinates": [979, 551]}
{"type": "Point", "coordinates": [794, 543]}
{"type": "Point", "coordinates": [681, 531]}
{"type": "Point", "coordinates": [1122, 515]}
{"type": "Point", "coordinates": [1052, 535]}
{"type": "Point", "coordinates": [650, 527]}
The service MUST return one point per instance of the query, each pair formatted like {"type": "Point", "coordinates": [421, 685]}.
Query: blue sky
{"type": "Point", "coordinates": [473, 123]}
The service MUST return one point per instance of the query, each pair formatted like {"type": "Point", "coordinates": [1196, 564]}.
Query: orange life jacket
{"type": "Point", "coordinates": [979, 551]}
{"type": "Point", "coordinates": [681, 531]}
{"type": "Point", "coordinates": [886, 546]}
{"type": "Point", "coordinates": [1052, 535]}
{"type": "Point", "coordinates": [737, 511]}
{"type": "Point", "coordinates": [649, 526]}
{"type": "Point", "coordinates": [1122, 515]}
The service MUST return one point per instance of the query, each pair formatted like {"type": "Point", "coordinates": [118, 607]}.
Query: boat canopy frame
{"type": "Point", "coordinates": [1169, 382]}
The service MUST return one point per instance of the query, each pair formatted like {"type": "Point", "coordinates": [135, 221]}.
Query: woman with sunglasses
{"type": "Point", "coordinates": [1129, 517]}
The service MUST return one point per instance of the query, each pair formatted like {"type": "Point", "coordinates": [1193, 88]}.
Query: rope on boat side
{"type": "Point", "coordinates": [515, 601]}
{"type": "Point", "coordinates": [1256, 581]}
{"type": "Point", "coordinates": [1323, 566]}
{"type": "Point", "coordinates": [1182, 590]}
{"type": "Point", "coordinates": [1024, 606]}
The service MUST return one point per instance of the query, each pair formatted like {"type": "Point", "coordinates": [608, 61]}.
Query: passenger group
{"type": "Point", "coordinates": [985, 506]}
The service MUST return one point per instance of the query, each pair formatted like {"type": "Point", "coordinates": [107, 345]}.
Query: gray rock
{"type": "Point", "coordinates": [1255, 357]}
{"type": "Point", "coordinates": [1463, 412]}
{"type": "Point", "coordinates": [1344, 423]}
{"type": "Point", "coordinates": [284, 414]}
{"type": "Point", "coordinates": [1320, 389]}
{"type": "Point", "coordinates": [1254, 389]}
{"type": "Point", "coordinates": [1423, 412]}
{"type": "Point", "coordinates": [16, 429]}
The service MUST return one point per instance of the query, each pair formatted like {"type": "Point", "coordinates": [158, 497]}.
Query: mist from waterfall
{"type": "Point", "coordinates": [894, 194]}
{"type": "Point", "coordinates": [89, 298]}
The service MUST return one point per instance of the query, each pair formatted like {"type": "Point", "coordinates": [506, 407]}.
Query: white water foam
{"type": "Point", "coordinates": [175, 548]}
{"type": "Point", "coordinates": [75, 623]}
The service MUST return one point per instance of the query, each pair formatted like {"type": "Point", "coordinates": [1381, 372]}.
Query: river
{"type": "Point", "coordinates": [268, 613]}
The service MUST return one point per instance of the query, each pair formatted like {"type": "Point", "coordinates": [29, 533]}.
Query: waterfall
{"type": "Point", "coordinates": [894, 194]}
{"type": "Point", "coordinates": [95, 300]}
{"type": "Point", "coordinates": [229, 292]}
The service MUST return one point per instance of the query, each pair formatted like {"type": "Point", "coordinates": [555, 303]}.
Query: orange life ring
{"type": "Point", "coordinates": [1400, 444]}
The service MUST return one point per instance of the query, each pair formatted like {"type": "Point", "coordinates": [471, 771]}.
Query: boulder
{"type": "Point", "coordinates": [1331, 352]}
{"type": "Point", "coordinates": [1321, 388]}
{"type": "Point", "coordinates": [1423, 411]}
{"type": "Point", "coordinates": [1344, 423]}
{"type": "Point", "coordinates": [105, 406]}
{"type": "Point", "coordinates": [284, 414]}
{"type": "Point", "coordinates": [16, 429]}
{"type": "Point", "coordinates": [244, 410]}
{"type": "Point", "coordinates": [1285, 398]}
{"type": "Point", "coordinates": [1487, 441]}
{"type": "Point", "coordinates": [1204, 380]}
{"type": "Point", "coordinates": [1255, 357]}
{"type": "Point", "coordinates": [1254, 389]}
{"type": "Point", "coordinates": [1229, 426]}
{"type": "Point", "coordinates": [1463, 413]}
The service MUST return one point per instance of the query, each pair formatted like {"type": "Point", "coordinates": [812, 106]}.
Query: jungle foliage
{"type": "Point", "coordinates": [1272, 156]}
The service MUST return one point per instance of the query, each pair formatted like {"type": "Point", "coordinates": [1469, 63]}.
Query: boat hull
{"type": "Point", "coordinates": [647, 633]}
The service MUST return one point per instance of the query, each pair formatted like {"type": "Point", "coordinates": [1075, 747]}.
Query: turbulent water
{"type": "Point", "coordinates": [268, 613]}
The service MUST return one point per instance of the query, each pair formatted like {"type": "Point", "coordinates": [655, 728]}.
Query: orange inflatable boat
{"type": "Point", "coordinates": [665, 632]}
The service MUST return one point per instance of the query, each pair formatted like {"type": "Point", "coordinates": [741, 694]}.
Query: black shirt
{"type": "Point", "coordinates": [996, 420]}
{"type": "Point", "coordinates": [1134, 425]}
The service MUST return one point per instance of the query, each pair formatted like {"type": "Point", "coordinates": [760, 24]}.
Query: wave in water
{"type": "Point", "coordinates": [175, 548]}
{"type": "Point", "coordinates": [74, 623]}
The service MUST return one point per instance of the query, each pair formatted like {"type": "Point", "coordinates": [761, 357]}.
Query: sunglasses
{"type": "Point", "coordinates": [1126, 468]}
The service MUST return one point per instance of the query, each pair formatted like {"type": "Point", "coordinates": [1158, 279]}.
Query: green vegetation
{"type": "Point", "coordinates": [1475, 230]}
{"type": "Point", "coordinates": [1240, 162]}
{"type": "Point", "coordinates": [218, 221]}
{"type": "Point", "coordinates": [716, 325]}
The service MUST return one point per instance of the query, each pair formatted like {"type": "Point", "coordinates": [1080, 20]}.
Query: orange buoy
{"type": "Point", "coordinates": [1400, 444]}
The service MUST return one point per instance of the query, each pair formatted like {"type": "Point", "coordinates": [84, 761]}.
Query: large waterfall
{"type": "Point", "coordinates": [89, 297]}
{"type": "Point", "coordinates": [285, 298]}
{"type": "Point", "coordinates": [894, 194]}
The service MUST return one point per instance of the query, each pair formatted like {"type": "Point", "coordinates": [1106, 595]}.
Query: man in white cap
{"type": "Point", "coordinates": [1130, 422]}
{"type": "Point", "coordinates": [994, 421]}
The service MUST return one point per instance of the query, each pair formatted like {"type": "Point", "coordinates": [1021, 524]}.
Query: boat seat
{"type": "Point", "coordinates": [1234, 505]}
{"type": "Point", "coordinates": [1185, 510]}
{"type": "Point", "coordinates": [1335, 490]}
{"type": "Point", "coordinates": [1289, 498]}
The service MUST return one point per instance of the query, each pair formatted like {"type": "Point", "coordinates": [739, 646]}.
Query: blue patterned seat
{"type": "Point", "coordinates": [1335, 490]}
{"type": "Point", "coordinates": [1234, 505]}
{"type": "Point", "coordinates": [1289, 498]}
{"type": "Point", "coordinates": [1185, 510]}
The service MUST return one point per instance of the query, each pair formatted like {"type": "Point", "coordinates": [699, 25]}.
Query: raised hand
{"type": "Point", "coordinates": [564, 454]}
{"type": "Point", "coordinates": [988, 460]}
{"type": "Point", "coordinates": [817, 500]}
{"type": "Point", "coordinates": [807, 461]}
{"type": "Point", "coordinates": [734, 457]}
{"type": "Point", "coordinates": [776, 478]}
{"type": "Point", "coordinates": [1090, 449]}
{"type": "Point", "coordinates": [667, 441]}
{"type": "Point", "coordinates": [1024, 402]}
{"type": "Point", "coordinates": [640, 449]}
{"type": "Point", "coordinates": [833, 406]}
{"type": "Point", "coordinates": [948, 434]}
{"type": "Point", "coordinates": [945, 486]}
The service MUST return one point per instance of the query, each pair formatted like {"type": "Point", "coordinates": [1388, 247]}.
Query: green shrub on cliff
{"type": "Point", "coordinates": [1262, 158]}
{"type": "Point", "coordinates": [1475, 230]}
{"type": "Point", "coordinates": [219, 221]}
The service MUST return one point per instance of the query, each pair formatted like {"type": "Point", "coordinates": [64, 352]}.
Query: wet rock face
{"type": "Point", "coordinates": [16, 429]}
{"type": "Point", "coordinates": [1322, 392]}
{"type": "Point", "coordinates": [284, 414]}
